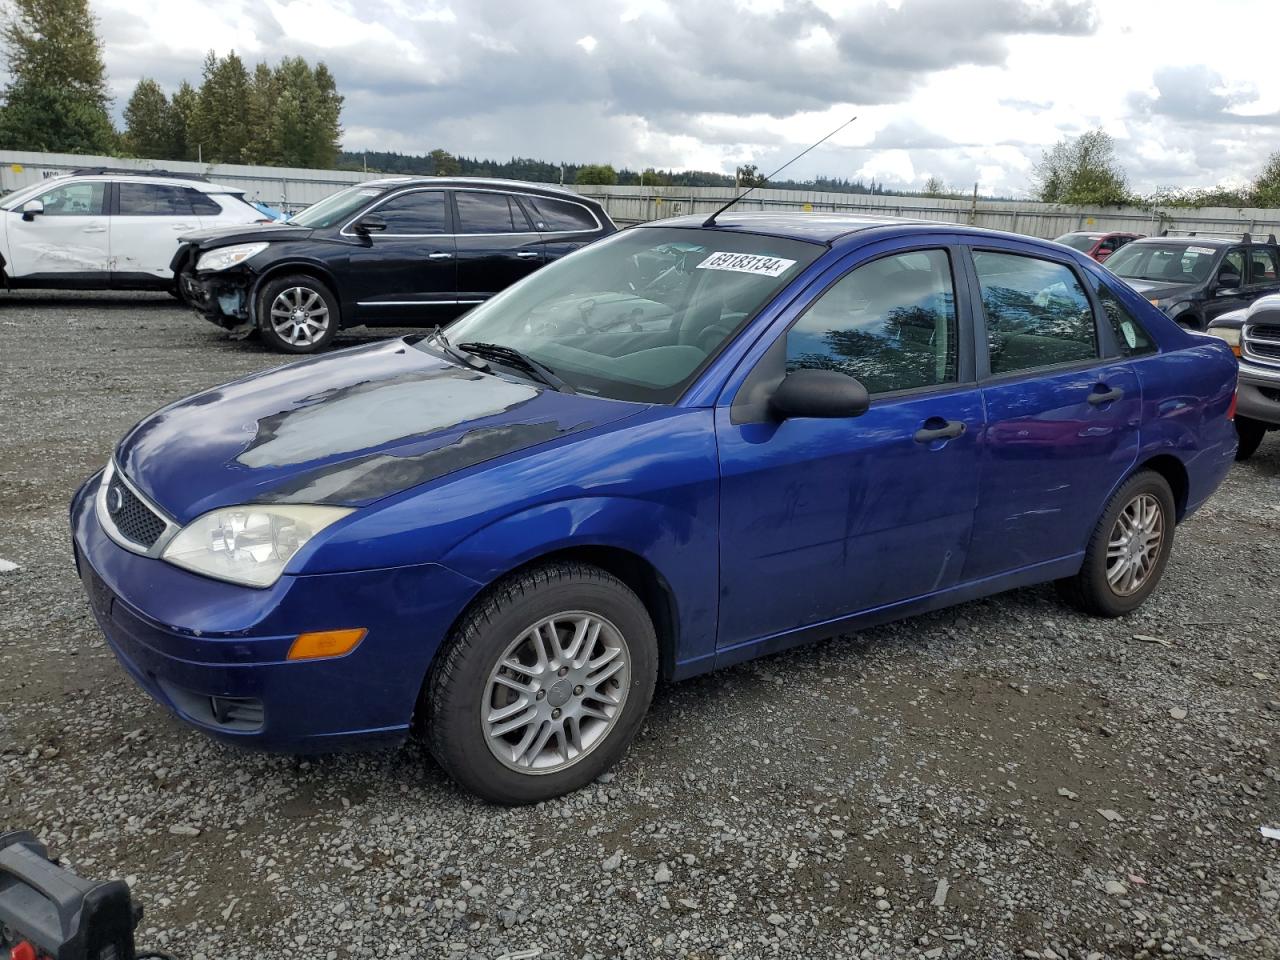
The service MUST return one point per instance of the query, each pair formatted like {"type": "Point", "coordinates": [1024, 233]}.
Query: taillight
{"type": "Point", "coordinates": [1231, 410]}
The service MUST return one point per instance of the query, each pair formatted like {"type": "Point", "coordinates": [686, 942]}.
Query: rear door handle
{"type": "Point", "coordinates": [1104, 396]}
{"type": "Point", "coordinates": [949, 430]}
{"type": "Point", "coordinates": [527, 254]}
{"type": "Point", "coordinates": [439, 255]}
{"type": "Point", "coordinates": [95, 229]}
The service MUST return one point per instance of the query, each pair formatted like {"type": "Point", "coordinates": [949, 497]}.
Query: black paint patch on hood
{"type": "Point", "coordinates": [375, 476]}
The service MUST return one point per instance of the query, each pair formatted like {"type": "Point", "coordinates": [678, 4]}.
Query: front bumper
{"type": "Point", "coordinates": [223, 298]}
{"type": "Point", "coordinates": [215, 653]}
{"type": "Point", "coordinates": [1259, 394]}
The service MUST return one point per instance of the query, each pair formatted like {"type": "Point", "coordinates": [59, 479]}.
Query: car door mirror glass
{"type": "Point", "coordinates": [1228, 282]}
{"type": "Point", "coordinates": [826, 394]}
{"type": "Point", "coordinates": [31, 209]}
{"type": "Point", "coordinates": [371, 223]}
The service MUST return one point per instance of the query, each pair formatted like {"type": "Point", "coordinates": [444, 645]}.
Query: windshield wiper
{"type": "Point", "coordinates": [437, 338]}
{"type": "Point", "coordinates": [516, 358]}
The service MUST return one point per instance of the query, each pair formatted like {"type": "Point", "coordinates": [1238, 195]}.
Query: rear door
{"type": "Point", "coordinates": [1063, 411]}
{"type": "Point", "coordinates": [824, 518]}
{"type": "Point", "coordinates": [1263, 275]}
{"type": "Point", "coordinates": [408, 272]}
{"type": "Point", "coordinates": [497, 244]}
{"type": "Point", "coordinates": [146, 221]}
{"type": "Point", "coordinates": [68, 243]}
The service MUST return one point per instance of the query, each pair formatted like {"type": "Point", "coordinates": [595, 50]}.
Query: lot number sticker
{"type": "Point", "coordinates": [747, 263]}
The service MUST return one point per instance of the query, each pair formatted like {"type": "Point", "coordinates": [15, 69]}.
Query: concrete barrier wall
{"type": "Point", "coordinates": [293, 189]}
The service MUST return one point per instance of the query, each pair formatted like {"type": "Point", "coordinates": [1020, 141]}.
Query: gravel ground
{"type": "Point", "coordinates": [1003, 779]}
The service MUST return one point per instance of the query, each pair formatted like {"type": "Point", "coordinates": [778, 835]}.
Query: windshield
{"type": "Point", "coordinates": [23, 194]}
{"type": "Point", "coordinates": [1079, 241]}
{"type": "Point", "coordinates": [1164, 262]}
{"type": "Point", "coordinates": [637, 316]}
{"type": "Point", "coordinates": [336, 207]}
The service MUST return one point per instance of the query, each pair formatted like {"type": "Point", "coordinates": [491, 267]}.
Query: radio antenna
{"type": "Point", "coordinates": [711, 220]}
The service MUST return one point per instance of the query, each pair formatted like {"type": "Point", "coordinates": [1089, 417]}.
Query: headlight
{"type": "Point", "coordinates": [249, 544]}
{"type": "Point", "coordinates": [1229, 334]}
{"type": "Point", "coordinates": [225, 257]}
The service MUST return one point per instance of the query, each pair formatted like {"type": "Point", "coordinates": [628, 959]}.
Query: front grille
{"type": "Point", "coordinates": [133, 518]}
{"type": "Point", "coordinates": [1265, 331]}
{"type": "Point", "coordinates": [1261, 342]}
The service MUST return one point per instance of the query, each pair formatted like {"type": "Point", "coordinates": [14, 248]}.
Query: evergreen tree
{"type": "Point", "coordinates": [182, 122]}
{"type": "Point", "coordinates": [221, 126]}
{"type": "Point", "coordinates": [148, 124]}
{"type": "Point", "coordinates": [260, 111]}
{"type": "Point", "coordinates": [57, 94]}
{"type": "Point", "coordinates": [305, 119]}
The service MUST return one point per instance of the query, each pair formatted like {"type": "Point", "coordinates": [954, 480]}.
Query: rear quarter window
{"type": "Point", "coordinates": [559, 216]}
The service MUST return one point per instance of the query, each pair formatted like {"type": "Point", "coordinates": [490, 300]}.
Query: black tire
{"type": "Point", "coordinates": [299, 288]}
{"type": "Point", "coordinates": [1089, 590]}
{"type": "Point", "coordinates": [1250, 434]}
{"type": "Point", "coordinates": [460, 678]}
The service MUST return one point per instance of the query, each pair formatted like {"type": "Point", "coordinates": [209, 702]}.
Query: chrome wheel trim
{"type": "Point", "coordinates": [556, 692]}
{"type": "Point", "coordinates": [299, 316]}
{"type": "Point", "coordinates": [1134, 545]}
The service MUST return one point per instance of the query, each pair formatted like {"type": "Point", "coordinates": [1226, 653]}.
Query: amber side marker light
{"type": "Point", "coordinates": [326, 643]}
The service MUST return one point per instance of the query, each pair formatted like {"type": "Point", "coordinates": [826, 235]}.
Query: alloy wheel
{"type": "Point", "coordinates": [556, 692]}
{"type": "Point", "coordinates": [1134, 545]}
{"type": "Point", "coordinates": [299, 316]}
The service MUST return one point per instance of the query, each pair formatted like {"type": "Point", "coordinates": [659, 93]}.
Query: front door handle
{"type": "Point", "coordinates": [1100, 396]}
{"type": "Point", "coordinates": [95, 229]}
{"type": "Point", "coordinates": [439, 255]}
{"type": "Point", "coordinates": [949, 430]}
{"type": "Point", "coordinates": [527, 254]}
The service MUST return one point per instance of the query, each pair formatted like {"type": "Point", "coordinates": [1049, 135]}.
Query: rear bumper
{"type": "Point", "coordinates": [215, 653]}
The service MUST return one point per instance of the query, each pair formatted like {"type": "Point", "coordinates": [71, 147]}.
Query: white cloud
{"type": "Point", "coordinates": [964, 91]}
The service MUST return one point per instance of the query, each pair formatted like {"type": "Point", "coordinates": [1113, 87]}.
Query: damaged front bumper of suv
{"type": "Point", "coordinates": [223, 298]}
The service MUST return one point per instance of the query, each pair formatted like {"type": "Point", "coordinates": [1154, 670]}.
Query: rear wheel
{"type": "Point", "coordinates": [1128, 550]}
{"type": "Point", "coordinates": [543, 684]}
{"type": "Point", "coordinates": [1250, 434]}
{"type": "Point", "coordinates": [297, 314]}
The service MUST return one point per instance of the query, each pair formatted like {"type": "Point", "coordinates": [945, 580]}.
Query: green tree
{"type": "Point", "coordinates": [263, 94]}
{"type": "Point", "coordinates": [148, 124]}
{"type": "Point", "coordinates": [1265, 191]}
{"type": "Point", "coordinates": [443, 163]}
{"type": "Point", "coordinates": [182, 113]}
{"type": "Point", "coordinates": [221, 129]}
{"type": "Point", "coordinates": [306, 126]}
{"type": "Point", "coordinates": [1081, 170]}
{"type": "Point", "coordinates": [748, 175]}
{"type": "Point", "coordinates": [598, 174]}
{"type": "Point", "coordinates": [57, 96]}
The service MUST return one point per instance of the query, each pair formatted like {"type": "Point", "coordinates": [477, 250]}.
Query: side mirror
{"type": "Point", "coordinates": [827, 394]}
{"type": "Point", "coordinates": [370, 224]}
{"type": "Point", "coordinates": [31, 208]}
{"type": "Point", "coordinates": [1228, 282]}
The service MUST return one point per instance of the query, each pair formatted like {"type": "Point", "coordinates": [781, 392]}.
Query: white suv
{"type": "Point", "coordinates": [104, 229]}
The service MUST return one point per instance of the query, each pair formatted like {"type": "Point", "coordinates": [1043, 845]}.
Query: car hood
{"type": "Point", "coordinates": [347, 428]}
{"type": "Point", "coordinates": [1158, 289]}
{"type": "Point", "coordinates": [224, 236]}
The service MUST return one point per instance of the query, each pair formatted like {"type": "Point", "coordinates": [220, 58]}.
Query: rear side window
{"type": "Point", "coordinates": [1130, 335]}
{"type": "Point", "coordinates": [1037, 313]}
{"type": "Point", "coordinates": [890, 323]}
{"type": "Point", "coordinates": [490, 213]}
{"type": "Point", "coordinates": [560, 216]}
{"type": "Point", "coordinates": [416, 212]}
{"type": "Point", "coordinates": [1264, 266]}
{"type": "Point", "coordinates": [154, 200]}
{"type": "Point", "coordinates": [82, 199]}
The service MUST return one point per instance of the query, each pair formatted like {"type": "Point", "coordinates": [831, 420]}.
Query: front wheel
{"type": "Point", "coordinates": [1250, 434]}
{"type": "Point", "coordinates": [543, 684]}
{"type": "Point", "coordinates": [297, 314]}
{"type": "Point", "coordinates": [1128, 549]}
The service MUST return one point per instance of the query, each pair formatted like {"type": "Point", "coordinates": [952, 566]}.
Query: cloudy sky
{"type": "Point", "coordinates": [967, 90]}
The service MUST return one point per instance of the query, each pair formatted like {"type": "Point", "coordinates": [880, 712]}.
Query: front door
{"type": "Point", "coordinates": [497, 244]}
{"type": "Point", "coordinates": [1062, 414]}
{"type": "Point", "coordinates": [823, 518]}
{"type": "Point", "coordinates": [1229, 291]}
{"type": "Point", "coordinates": [406, 273]}
{"type": "Point", "coordinates": [67, 244]}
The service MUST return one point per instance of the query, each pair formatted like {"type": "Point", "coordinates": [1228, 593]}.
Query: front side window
{"type": "Point", "coordinates": [153, 200]}
{"type": "Point", "coordinates": [416, 212]}
{"type": "Point", "coordinates": [73, 200]}
{"type": "Point", "coordinates": [490, 213]}
{"type": "Point", "coordinates": [638, 315]}
{"type": "Point", "coordinates": [890, 324]}
{"type": "Point", "coordinates": [1130, 335]}
{"type": "Point", "coordinates": [1037, 313]}
{"type": "Point", "coordinates": [559, 216]}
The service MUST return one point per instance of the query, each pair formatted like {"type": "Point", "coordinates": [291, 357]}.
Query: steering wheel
{"type": "Point", "coordinates": [712, 336]}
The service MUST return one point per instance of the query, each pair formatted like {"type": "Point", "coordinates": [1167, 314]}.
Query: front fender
{"type": "Point", "coordinates": [681, 548]}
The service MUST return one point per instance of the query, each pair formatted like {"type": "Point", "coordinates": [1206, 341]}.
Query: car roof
{"type": "Point", "coordinates": [204, 186]}
{"type": "Point", "coordinates": [1194, 241]}
{"type": "Point", "coordinates": [524, 186]}
{"type": "Point", "coordinates": [814, 227]}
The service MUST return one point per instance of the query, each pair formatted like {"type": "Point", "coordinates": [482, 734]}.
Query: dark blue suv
{"type": "Point", "coordinates": [687, 445]}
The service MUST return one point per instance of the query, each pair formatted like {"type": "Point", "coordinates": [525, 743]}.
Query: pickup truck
{"type": "Point", "coordinates": [1254, 336]}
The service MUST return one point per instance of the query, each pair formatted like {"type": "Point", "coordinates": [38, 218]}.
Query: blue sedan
{"type": "Point", "coordinates": [682, 447]}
